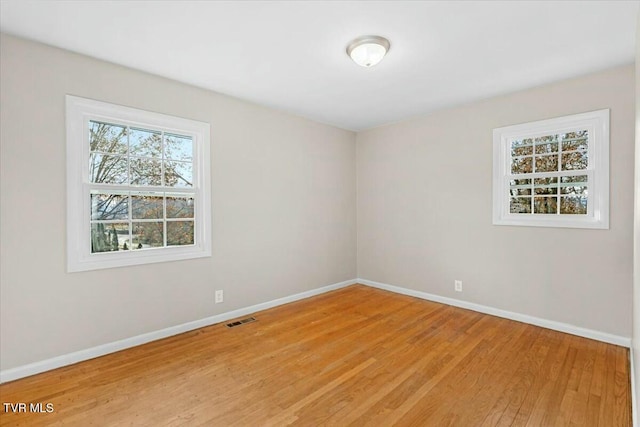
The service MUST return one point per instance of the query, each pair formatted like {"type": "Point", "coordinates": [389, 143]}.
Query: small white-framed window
{"type": "Point", "coordinates": [138, 186]}
{"type": "Point", "coordinates": [553, 173]}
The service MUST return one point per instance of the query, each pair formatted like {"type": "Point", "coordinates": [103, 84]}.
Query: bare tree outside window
{"type": "Point", "coordinates": [149, 164]}
{"type": "Point", "coordinates": [554, 154]}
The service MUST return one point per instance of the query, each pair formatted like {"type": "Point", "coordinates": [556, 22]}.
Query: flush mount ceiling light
{"type": "Point", "coordinates": [367, 51]}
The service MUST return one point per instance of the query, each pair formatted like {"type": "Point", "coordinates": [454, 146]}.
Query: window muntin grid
{"type": "Point", "coordinates": [130, 169]}
{"type": "Point", "coordinates": [549, 174]}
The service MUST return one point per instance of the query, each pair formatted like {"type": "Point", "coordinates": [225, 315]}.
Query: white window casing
{"type": "Point", "coordinates": [81, 256]}
{"type": "Point", "coordinates": [545, 172]}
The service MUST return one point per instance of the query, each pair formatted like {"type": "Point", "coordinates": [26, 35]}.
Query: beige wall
{"type": "Point", "coordinates": [283, 209]}
{"type": "Point", "coordinates": [425, 205]}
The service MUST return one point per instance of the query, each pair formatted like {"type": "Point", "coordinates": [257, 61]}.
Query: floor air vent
{"type": "Point", "coordinates": [241, 322]}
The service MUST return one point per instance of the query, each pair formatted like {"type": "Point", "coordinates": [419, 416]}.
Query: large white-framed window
{"type": "Point", "coordinates": [553, 173]}
{"type": "Point", "coordinates": [138, 186]}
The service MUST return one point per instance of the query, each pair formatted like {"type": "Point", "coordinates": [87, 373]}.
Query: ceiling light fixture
{"type": "Point", "coordinates": [367, 51]}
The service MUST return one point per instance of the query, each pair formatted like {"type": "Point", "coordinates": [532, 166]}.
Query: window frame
{"type": "Point", "coordinates": [79, 111]}
{"type": "Point", "coordinates": [597, 217]}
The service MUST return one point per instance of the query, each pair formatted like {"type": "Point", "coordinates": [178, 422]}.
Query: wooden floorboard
{"type": "Point", "coordinates": [356, 356]}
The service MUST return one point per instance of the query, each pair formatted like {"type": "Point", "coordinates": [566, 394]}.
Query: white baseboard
{"type": "Point", "coordinates": [634, 403]}
{"type": "Point", "coordinates": [101, 350]}
{"type": "Point", "coordinates": [549, 324]}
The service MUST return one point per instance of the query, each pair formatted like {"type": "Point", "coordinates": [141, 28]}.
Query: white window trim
{"type": "Point", "coordinates": [597, 122]}
{"type": "Point", "coordinates": [79, 256]}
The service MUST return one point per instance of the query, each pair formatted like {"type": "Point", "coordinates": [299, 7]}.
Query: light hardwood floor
{"type": "Point", "coordinates": [356, 356]}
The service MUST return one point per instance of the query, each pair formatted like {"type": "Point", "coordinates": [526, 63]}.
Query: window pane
{"type": "Point", "coordinates": [546, 144]}
{"type": "Point", "coordinates": [107, 169]}
{"type": "Point", "coordinates": [146, 207]}
{"type": "Point", "coordinates": [109, 206]}
{"type": "Point", "coordinates": [574, 185]}
{"type": "Point", "coordinates": [545, 205]}
{"type": "Point", "coordinates": [575, 141]}
{"type": "Point", "coordinates": [520, 187]}
{"type": "Point", "coordinates": [579, 179]}
{"type": "Point", "coordinates": [147, 235]}
{"type": "Point", "coordinates": [178, 174]}
{"type": "Point", "coordinates": [575, 189]}
{"type": "Point", "coordinates": [179, 233]}
{"type": "Point", "coordinates": [177, 147]}
{"type": "Point", "coordinates": [521, 151]}
{"type": "Point", "coordinates": [575, 160]}
{"type": "Point", "coordinates": [573, 205]}
{"type": "Point", "coordinates": [522, 147]}
{"type": "Point", "coordinates": [520, 205]}
{"type": "Point", "coordinates": [545, 181]}
{"type": "Point", "coordinates": [522, 165]}
{"type": "Point", "coordinates": [180, 207]}
{"type": "Point", "coordinates": [515, 191]}
{"type": "Point", "coordinates": [547, 148]}
{"type": "Point", "coordinates": [145, 143]}
{"type": "Point", "coordinates": [146, 172]}
{"type": "Point", "coordinates": [107, 138]}
{"type": "Point", "coordinates": [109, 237]}
{"type": "Point", "coordinates": [546, 139]}
{"type": "Point", "coordinates": [546, 190]}
{"type": "Point", "coordinates": [547, 163]}
{"type": "Point", "coordinates": [545, 185]}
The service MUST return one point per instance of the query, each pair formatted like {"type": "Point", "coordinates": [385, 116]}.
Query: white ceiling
{"type": "Point", "coordinates": [291, 54]}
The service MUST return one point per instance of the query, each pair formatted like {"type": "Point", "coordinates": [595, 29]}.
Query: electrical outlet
{"type": "Point", "coordinates": [457, 285]}
{"type": "Point", "coordinates": [219, 296]}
